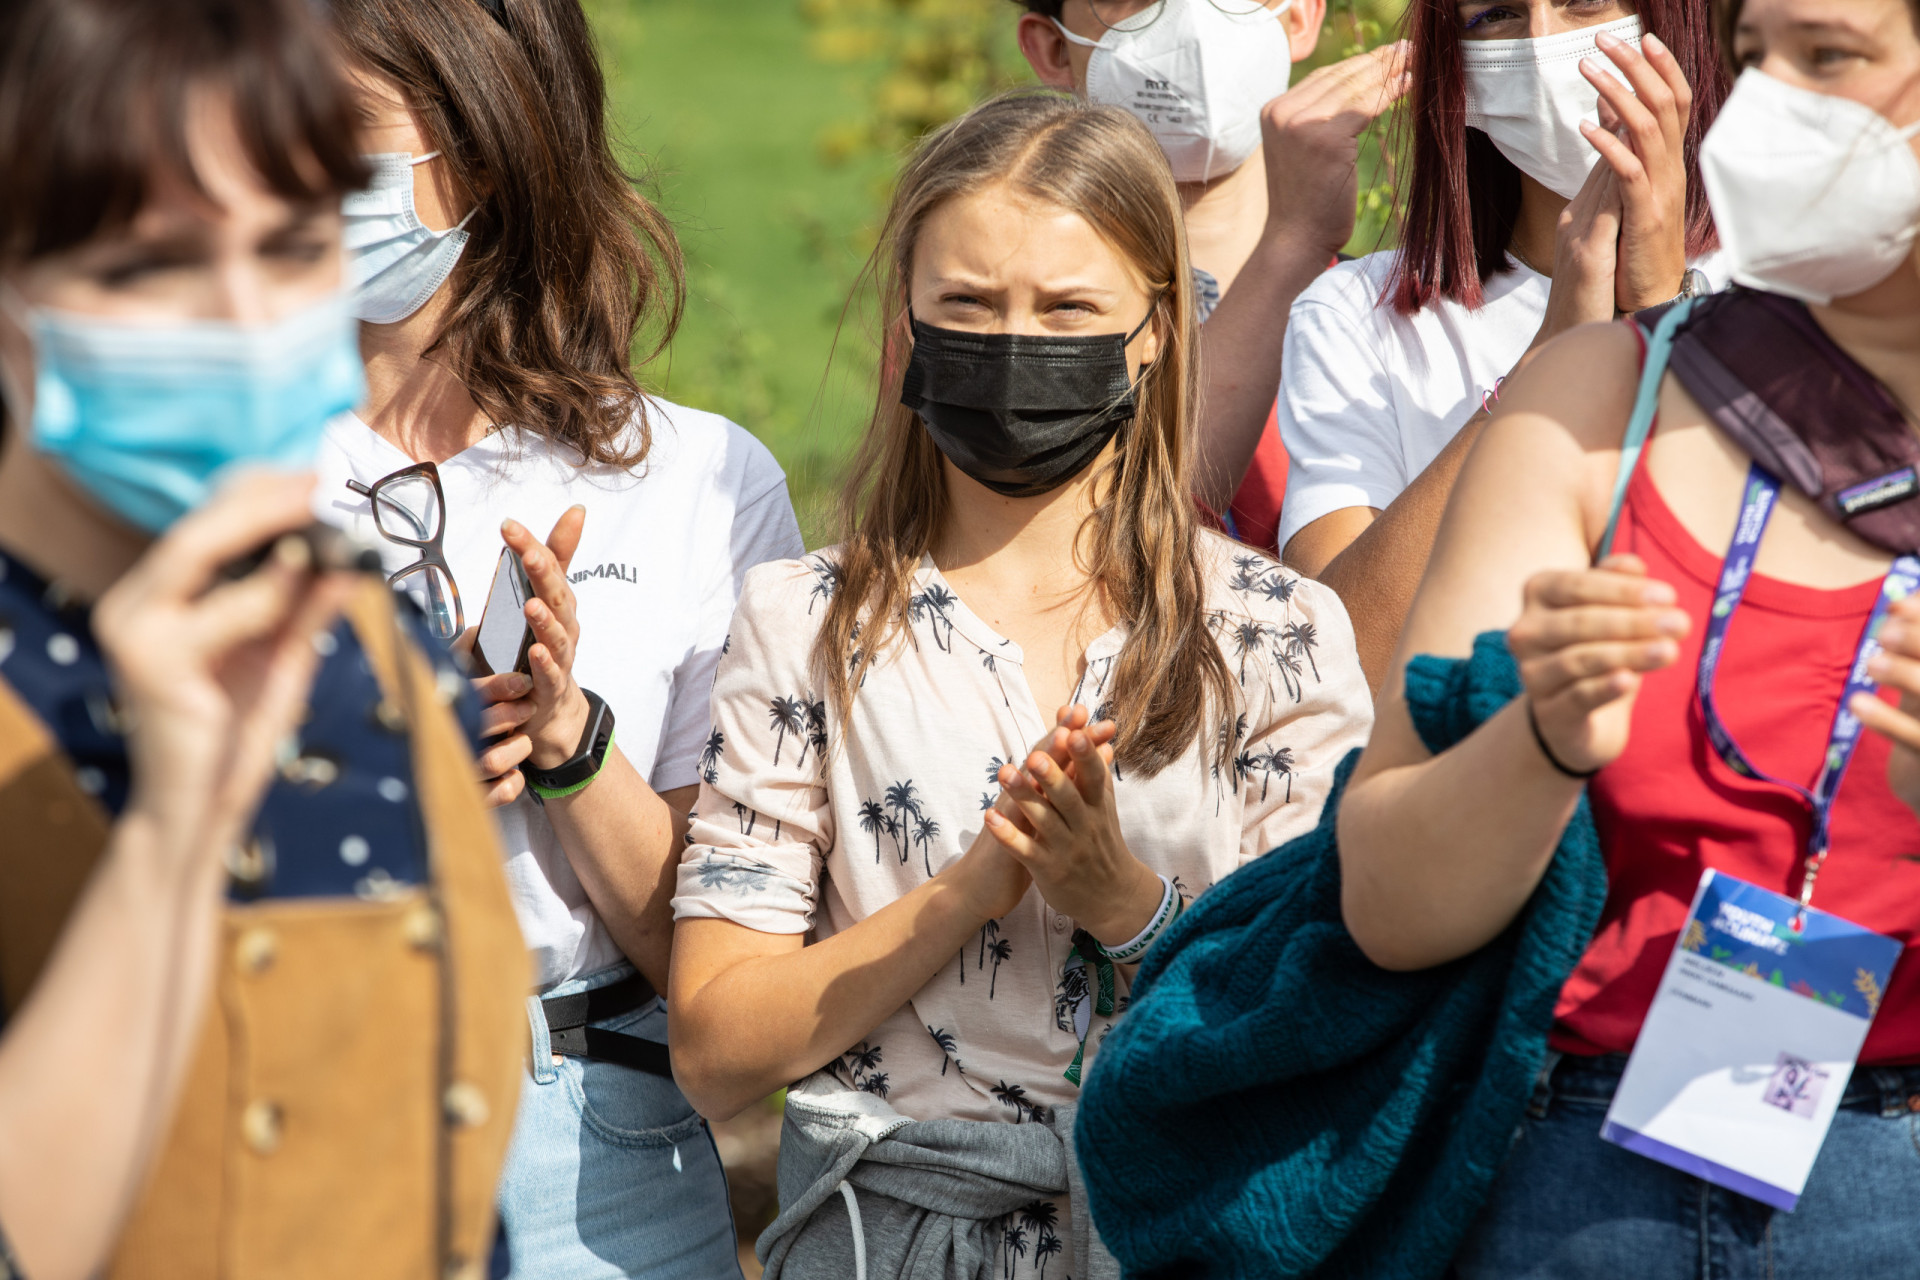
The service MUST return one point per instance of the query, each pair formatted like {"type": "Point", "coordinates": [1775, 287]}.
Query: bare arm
{"type": "Point", "coordinates": [1439, 853]}
{"type": "Point", "coordinates": [1378, 569]}
{"type": "Point", "coordinates": [91, 1065]}
{"type": "Point", "coordinates": [621, 837]}
{"type": "Point", "coordinates": [1376, 560]}
{"type": "Point", "coordinates": [750, 1012]}
{"type": "Point", "coordinates": [1311, 138]}
{"type": "Point", "coordinates": [623, 840]}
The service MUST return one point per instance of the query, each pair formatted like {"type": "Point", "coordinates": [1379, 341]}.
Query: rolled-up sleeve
{"type": "Point", "coordinates": [1319, 711]}
{"type": "Point", "coordinates": [761, 828]}
{"type": "Point", "coordinates": [1336, 417]}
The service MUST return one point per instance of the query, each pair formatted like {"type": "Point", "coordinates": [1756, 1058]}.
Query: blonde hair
{"type": "Point", "coordinates": [1102, 164]}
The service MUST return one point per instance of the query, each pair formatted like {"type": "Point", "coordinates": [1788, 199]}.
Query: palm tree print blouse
{"type": "Point", "coordinates": [806, 826]}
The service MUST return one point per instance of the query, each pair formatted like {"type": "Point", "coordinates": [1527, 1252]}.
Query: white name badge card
{"type": "Point", "coordinates": [1746, 1051]}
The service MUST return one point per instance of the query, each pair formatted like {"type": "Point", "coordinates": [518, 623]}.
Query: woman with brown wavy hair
{"type": "Point", "coordinates": [1018, 537]}
{"type": "Point", "coordinates": [505, 266]}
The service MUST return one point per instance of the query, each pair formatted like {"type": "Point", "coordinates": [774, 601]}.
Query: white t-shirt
{"type": "Point", "coordinates": [659, 568]}
{"type": "Point", "coordinates": [1369, 397]}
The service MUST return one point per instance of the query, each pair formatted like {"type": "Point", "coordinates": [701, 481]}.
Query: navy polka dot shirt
{"type": "Point", "coordinates": [339, 819]}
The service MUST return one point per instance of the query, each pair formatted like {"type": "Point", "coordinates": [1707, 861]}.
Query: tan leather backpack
{"type": "Point", "coordinates": [352, 1096]}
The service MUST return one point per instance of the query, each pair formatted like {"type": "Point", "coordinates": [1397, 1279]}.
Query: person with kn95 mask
{"type": "Point", "coordinates": [1267, 182]}
{"type": "Point", "coordinates": [1698, 534]}
{"type": "Point", "coordinates": [1554, 181]}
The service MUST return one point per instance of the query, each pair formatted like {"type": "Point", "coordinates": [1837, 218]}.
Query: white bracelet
{"type": "Point", "coordinates": [1137, 945]}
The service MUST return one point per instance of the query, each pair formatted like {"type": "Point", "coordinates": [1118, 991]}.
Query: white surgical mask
{"type": "Point", "coordinates": [395, 262]}
{"type": "Point", "coordinates": [1530, 99]}
{"type": "Point", "coordinates": [1196, 73]}
{"type": "Point", "coordinates": [1815, 197]}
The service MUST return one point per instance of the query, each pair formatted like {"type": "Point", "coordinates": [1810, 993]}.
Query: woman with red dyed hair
{"type": "Point", "coordinates": [1523, 217]}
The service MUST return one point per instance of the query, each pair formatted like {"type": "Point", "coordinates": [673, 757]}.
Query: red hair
{"type": "Point", "coordinates": [1463, 196]}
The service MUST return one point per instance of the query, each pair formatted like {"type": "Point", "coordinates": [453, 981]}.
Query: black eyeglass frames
{"type": "Point", "coordinates": [410, 508]}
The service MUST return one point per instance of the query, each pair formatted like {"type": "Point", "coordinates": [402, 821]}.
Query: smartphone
{"type": "Point", "coordinates": [504, 637]}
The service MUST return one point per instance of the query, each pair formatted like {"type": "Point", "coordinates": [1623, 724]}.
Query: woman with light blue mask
{"type": "Point", "coordinates": [504, 265]}
{"type": "Point", "coordinates": [241, 847]}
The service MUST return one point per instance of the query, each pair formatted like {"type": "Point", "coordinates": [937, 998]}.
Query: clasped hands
{"type": "Point", "coordinates": [1055, 825]}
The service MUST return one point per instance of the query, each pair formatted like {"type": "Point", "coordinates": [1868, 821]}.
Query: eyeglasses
{"type": "Point", "coordinates": [410, 508]}
{"type": "Point", "coordinates": [1131, 15]}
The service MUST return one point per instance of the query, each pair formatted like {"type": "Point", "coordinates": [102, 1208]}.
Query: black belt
{"type": "Point", "coordinates": [569, 1034]}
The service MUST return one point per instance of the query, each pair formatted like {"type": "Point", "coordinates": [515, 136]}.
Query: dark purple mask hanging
{"type": "Point", "coordinates": [1804, 409]}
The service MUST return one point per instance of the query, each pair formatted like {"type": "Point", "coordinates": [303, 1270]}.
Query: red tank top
{"type": "Point", "coordinates": [1669, 808]}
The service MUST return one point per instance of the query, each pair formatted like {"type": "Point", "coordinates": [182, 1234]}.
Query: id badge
{"type": "Point", "coordinates": [1747, 1049]}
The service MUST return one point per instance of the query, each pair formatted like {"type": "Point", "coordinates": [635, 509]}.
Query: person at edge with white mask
{"type": "Point", "coordinates": [1793, 398]}
{"type": "Point", "coordinates": [1553, 182]}
{"type": "Point", "coordinates": [504, 266]}
{"type": "Point", "coordinates": [1266, 177]}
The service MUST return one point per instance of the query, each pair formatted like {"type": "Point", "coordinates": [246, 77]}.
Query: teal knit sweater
{"type": "Point", "coordinates": [1273, 1104]}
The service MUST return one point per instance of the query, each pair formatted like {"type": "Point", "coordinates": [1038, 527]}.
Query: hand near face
{"type": "Point", "coordinates": [212, 674]}
{"type": "Point", "coordinates": [1641, 140]}
{"type": "Point", "coordinates": [1311, 139]}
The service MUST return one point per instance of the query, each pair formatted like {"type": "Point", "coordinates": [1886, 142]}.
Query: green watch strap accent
{"type": "Point", "coordinates": [561, 793]}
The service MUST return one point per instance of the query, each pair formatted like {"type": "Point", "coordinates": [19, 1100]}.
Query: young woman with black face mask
{"type": "Point", "coordinates": [977, 872]}
{"type": "Point", "coordinates": [1521, 218]}
{"type": "Point", "coordinates": [1749, 461]}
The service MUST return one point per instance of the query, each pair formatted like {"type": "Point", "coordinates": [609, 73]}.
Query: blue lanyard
{"type": "Point", "coordinates": [1763, 491]}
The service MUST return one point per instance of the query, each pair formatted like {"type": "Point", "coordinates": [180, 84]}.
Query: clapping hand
{"type": "Point", "coordinates": [993, 878]}
{"type": "Point", "coordinates": [1583, 642]}
{"type": "Point", "coordinates": [1310, 136]}
{"type": "Point", "coordinates": [1641, 139]}
{"type": "Point", "coordinates": [1620, 245]}
{"type": "Point", "coordinates": [1068, 837]}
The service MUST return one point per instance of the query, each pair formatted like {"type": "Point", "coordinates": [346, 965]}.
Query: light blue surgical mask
{"type": "Point", "coordinates": [145, 417]}
{"type": "Point", "coordinates": [395, 262]}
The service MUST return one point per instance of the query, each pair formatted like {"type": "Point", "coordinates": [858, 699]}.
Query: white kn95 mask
{"type": "Point", "coordinates": [1196, 73]}
{"type": "Point", "coordinates": [1815, 197]}
{"type": "Point", "coordinates": [1529, 97]}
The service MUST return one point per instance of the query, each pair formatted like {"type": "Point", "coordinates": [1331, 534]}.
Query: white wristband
{"type": "Point", "coordinates": [1136, 946]}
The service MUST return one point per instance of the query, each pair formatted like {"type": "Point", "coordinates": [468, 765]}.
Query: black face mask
{"type": "Point", "coordinates": [1021, 413]}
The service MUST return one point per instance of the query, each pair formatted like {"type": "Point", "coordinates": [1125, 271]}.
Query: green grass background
{"type": "Point", "coordinates": [723, 105]}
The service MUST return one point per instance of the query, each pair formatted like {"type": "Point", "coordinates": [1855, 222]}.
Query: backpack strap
{"type": "Point", "coordinates": [1655, 351]}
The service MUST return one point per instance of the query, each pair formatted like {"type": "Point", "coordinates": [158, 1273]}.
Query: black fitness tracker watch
{"type": "Point", "coordinates": [588, 759]}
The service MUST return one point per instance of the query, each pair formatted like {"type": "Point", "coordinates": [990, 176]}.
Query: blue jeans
{"type": "Point", "coordinates": [1569, 1206]}
{"type": "Point", "coordinates": [611, 1174]}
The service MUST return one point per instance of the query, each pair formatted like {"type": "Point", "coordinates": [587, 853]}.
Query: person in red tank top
{"type": "Point", "coordinates": [1441, 853]}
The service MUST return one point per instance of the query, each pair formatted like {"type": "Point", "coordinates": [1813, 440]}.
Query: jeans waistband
{"type": "Point", "coordinates": [1891, 1091]}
